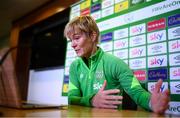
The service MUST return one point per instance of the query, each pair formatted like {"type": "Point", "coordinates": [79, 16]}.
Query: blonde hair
{"type": "Point", "coordinates": [85, 24]}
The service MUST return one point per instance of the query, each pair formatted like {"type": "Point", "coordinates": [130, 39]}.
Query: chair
{"type": "Point", "coordinates": [9, 94]}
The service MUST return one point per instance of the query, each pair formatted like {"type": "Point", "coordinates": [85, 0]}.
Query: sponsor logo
{"type": "Point", "coordinates": [128, 18]}
{"type": "Point", "coordinates": [175, 73]}
{"type": "Point", "coordinates": [140, 75]}
{"type": "Point", "coordinates": [121, 6]}
{"type": "Point", "coordinates": [107, 3]}
{"type": "Point", "coordinates": [96, 7]}
{"type": "Point", "coordinates": [108, 11]}
{"type": "Point", "coordinates": [174, 20]}
{"type": "Point", "coordinates": [66, 71]}
{"type": "Point", "coordinates": [177, 58]}
{"type": "Point", "coordinates": [75, 9]}
{"type": "Point", "coordinates": [97, 86]}
{"type": "Point", "coordinates": [121, 44]}
{"type": "Point", "coordinates": [137, 40]}
{"type": "Point", "coordinates": [174, 108]}
{"type": "Point", "coordinates": [175, 87]}
{"type": "Point", "coordinates": [151, 86]}
{"type": "Point", "coordinates": [136, 52]}
{"type": "Point", "coordinates": [122, 33]}
{"type": "Point", "coordinates": [158, 48]}
{"type": "Point", "coordinates": [85, 4]}
{"type": "Point", "coordinates": [106, 46]}
{"type": "Point", "coordinates": [96, 15]}
{"type": "Point", "coordinates": [99, 74]}
{"type": "Point", "coordinates": [85, 12]}
{"type": "Point", "coordinates": [122, 54]}
{"type": "Point", "coordinates": [156, 24]}
{"type": "Point", "coordinates": [174, 59]}
{"type": "Point", "coordinates": [157, 74]}
{"type": "Point", "coordinates": [174, 46]}
{"type": "Point", "coordinates": [138, 29]}
{"type": "Point", "coordinates": [157, 36]}
{"type": "Point", "coordinates": [174, 33]}
{"type": "Point", "coordinates": [157, 61]}
{"type": "Point", "coordinates": [133, 2]}
{"type": "Point", "coordinates": [137, 63]}
{"type": "Point", "coordinates": [106, 37]}
{"type": "Point", "coordinates": [66, 79]}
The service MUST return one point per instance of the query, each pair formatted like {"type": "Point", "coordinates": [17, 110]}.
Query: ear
{"type": "Point", "coordinates": [93, 36]}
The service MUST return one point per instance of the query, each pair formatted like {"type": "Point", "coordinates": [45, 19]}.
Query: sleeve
{"type": "Point", "coordinates": [132, 86]}
{"type": "Point", "coordinates": [75, 94]}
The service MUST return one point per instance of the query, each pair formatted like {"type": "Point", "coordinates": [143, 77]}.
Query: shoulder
{"type": "Point", "coordinates": [111, 58]}
{"type": "Point", "coordinates": [75, 63]}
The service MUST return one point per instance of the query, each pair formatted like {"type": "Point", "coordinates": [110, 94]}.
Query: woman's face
{"type": "Point", "coordinates": [82, 44]}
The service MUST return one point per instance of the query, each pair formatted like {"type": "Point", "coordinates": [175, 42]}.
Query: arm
{"type": "Point", "coordinates": [74, 93]}
{"type": "Point", "coordinates": [131, 85]}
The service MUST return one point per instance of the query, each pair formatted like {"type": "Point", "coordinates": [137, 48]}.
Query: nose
{"type": "Point", "coordinates": [73, 44]}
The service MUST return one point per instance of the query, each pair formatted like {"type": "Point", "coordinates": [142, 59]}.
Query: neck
{"type": "Point", "coordinates": [94, 49]}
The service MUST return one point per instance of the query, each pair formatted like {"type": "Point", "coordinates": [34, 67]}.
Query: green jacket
{"type": "Point", "coordinates": [86, 81]}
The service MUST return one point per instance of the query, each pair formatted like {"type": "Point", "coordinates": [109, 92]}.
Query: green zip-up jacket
{"type": "Point", "coordinates": [86, 81]}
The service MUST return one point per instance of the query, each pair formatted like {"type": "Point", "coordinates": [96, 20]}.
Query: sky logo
{"type": "Point", "coordinates": [174, 46]}
{"type": "Point", "coordinates": [156, 36]}
{"type": "Point", "coordinates": [157, 61]}
{"type": "Point", "coordinates": [137, 52]}
{"type": "Point", "coordinates": [138, 29]}
{"type": "Point", "coordinates": [175, 73]}
{"type": "Point", "coordinates": [121, 44]}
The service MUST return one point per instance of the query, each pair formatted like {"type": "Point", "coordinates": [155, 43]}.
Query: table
{"type": "Point", "coordinates": [75, 111]}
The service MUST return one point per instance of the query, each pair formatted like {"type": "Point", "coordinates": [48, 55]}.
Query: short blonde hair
{"type": "Point", "coordinates": [85, 24]}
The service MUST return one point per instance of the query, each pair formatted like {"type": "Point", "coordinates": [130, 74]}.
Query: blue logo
{"type": "Point", "coordinates": [174, 20]}
{"type": "Point", "coordinates": [66, 79]}
{"type": "Point", "coordinates": [156, 74]}
{"type": "Point", "coordinates": [96, 7]}
{"type": "Point", "coordinates": [106, 37]}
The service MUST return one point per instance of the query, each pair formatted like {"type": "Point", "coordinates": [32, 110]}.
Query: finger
{"type": "Point", "coordinates": [109, 106]}
{"type": "Point", "coordinates": [112, 91]}
{"type": "Point", "coordinates": [158, 86]}
{"type": "Point", "coordinates": [103, 86]}
{"type": "Point", "coordinates": [112, 102]}
{"type": "Point", "coordinates": [113, 97]}
{"type": "Point", "coordinates": [166, 92]}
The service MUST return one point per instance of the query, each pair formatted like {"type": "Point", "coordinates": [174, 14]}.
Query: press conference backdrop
{"type": "Point", "coordinates": [143, 33]}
